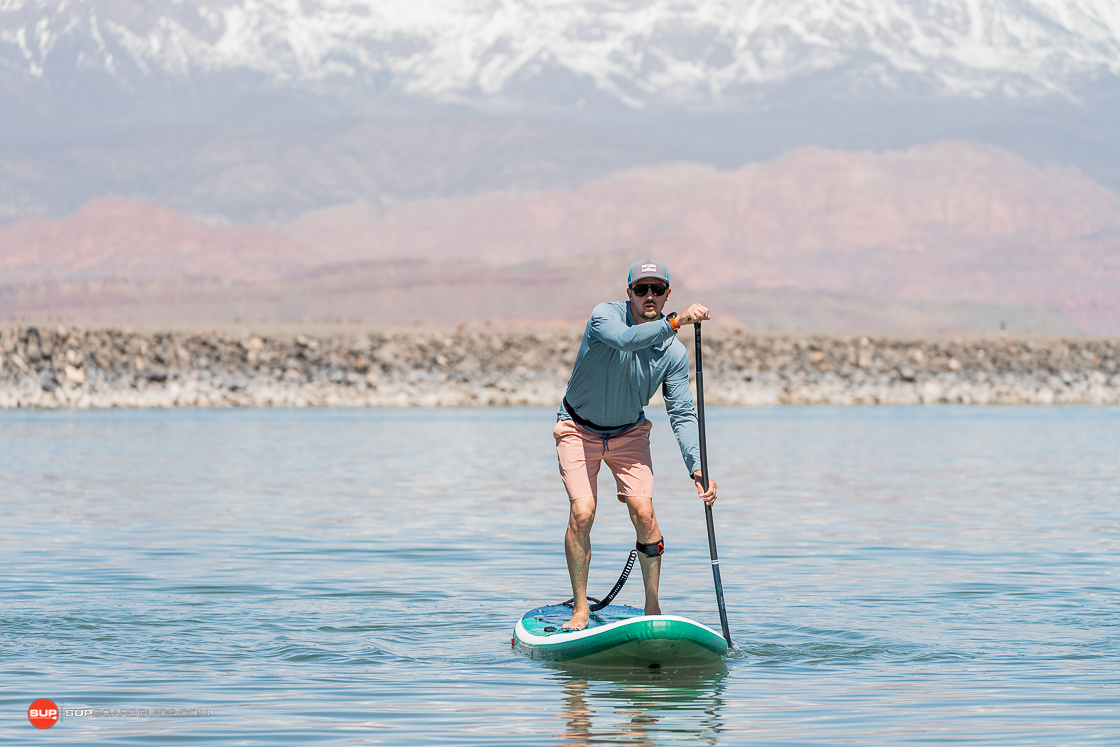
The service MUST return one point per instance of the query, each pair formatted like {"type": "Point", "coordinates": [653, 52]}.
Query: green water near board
{"type": "Point", "coordinates": [893, 576]}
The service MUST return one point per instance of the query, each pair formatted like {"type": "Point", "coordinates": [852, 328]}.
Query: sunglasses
{"type": "Point", "coordinates": [657, 288]}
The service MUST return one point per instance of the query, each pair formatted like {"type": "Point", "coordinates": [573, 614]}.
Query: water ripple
{"type": "Point", "coordinates": [893, 576]}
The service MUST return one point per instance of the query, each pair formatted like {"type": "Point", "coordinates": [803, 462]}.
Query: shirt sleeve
{"type": "Point", "coordinates": [609, 327]}
{"type": "Point", "coordinates": [682, 413]}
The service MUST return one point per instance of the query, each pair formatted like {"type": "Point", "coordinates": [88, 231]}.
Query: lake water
{"type": "Point", "coordinates": [893, 576]}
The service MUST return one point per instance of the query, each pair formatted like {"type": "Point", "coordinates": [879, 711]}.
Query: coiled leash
{"type": "Point", "coordinates": [613, 592]}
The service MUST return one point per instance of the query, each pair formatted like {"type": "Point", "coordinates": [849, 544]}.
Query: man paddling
{"type": "Point", "coordinates": [629, 349]}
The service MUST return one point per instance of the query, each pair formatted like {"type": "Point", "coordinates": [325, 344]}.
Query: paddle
{"type": "Point", "coordinates": [704, 479]}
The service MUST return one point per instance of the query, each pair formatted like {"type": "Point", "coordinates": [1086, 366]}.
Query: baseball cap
{"type": "Point", "coordinates": [647, 269]}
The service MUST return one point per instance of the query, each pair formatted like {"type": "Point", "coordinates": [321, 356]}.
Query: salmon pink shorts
{"type": "Point", "coordinates": [582, 452]}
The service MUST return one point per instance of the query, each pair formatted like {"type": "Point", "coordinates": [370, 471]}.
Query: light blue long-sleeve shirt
{"type": "Point", "coordinates": [618, 369]}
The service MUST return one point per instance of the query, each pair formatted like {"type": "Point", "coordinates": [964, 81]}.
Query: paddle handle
{"type": "Point", "coordinates": [704, 480]}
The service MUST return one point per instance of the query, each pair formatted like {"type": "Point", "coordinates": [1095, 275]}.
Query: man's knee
{"type": "Point", "coordinates": [582, 514]}
{"type": "Point", "coordinates": [641, 509]}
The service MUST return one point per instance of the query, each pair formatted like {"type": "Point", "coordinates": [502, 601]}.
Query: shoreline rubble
{"type": "Point", "coordinates": [45, 366]}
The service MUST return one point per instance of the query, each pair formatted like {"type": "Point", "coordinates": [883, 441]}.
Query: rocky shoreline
{"type": "Point", "coordinates": [66, 366]}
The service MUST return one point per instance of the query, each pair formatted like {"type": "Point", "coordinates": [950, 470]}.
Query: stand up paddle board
{"type": "Point", "coordinates": [617, 635]}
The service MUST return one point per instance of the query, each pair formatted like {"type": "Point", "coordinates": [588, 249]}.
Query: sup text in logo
{"type": "Point", "coordinates": [42, 714]}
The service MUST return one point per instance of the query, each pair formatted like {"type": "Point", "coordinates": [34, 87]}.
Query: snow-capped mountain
{"type": "Point", "coordinates": [692, 54]}
{"type": "Point", "coordinates": [157, 84]}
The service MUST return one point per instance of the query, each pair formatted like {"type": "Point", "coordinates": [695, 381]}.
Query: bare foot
{"type": "Point", "coordinates": [578, 622]}
{"type": "Point", "coordinates": [653, 609]}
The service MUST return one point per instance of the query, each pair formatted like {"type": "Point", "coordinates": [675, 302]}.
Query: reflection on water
{"type": "Point", "coordinates": [641, 707]}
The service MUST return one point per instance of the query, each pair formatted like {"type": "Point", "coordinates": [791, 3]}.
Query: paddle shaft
{"type": "Point", "coordinates": [704, 479]}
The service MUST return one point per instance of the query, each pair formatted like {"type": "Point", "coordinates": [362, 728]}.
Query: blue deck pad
{"type": "Point", "coordinates": [546, 621]}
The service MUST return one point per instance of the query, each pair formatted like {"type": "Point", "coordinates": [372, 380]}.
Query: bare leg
{"type": "Point", "coordinates": [645, 525]}
{"type": "Point", "coordinates": [577, 549]}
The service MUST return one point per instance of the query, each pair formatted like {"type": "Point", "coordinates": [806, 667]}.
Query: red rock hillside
{"type": "Point", "coordinates": [941, 222]}
{"type": "Point", "coordinates": [114, 237]}
{"type": "Point", "coordinates": [944, 223]}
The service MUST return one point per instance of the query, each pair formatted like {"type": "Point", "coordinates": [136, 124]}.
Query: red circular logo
{"type": "Point", "coordinates": [42, 714]}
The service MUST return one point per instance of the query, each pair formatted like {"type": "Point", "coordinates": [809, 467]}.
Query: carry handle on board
{"type": "Point", "coordinates": [704, 481]}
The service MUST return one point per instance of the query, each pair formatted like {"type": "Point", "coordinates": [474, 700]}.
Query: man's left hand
{"type": "Point", "coordinates": [710, 496]}
{"type": "Point", "coordinates": [694, 313]}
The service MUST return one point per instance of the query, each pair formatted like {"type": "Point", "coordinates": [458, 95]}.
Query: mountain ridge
{"type": "Point", "coordinates": [684, 53]}
{"type": "Point", "coordinates": [724, 81]}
